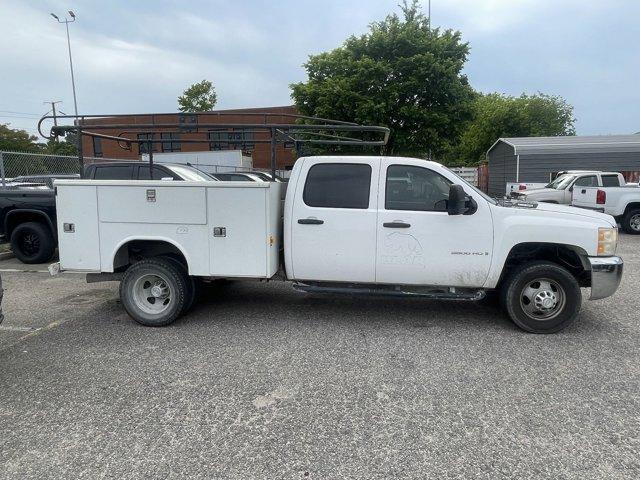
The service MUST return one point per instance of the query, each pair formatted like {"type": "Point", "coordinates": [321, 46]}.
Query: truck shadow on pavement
{"type": "Point", "coordinates": [256, 302]}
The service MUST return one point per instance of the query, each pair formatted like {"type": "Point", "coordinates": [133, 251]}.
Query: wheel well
{"type": "Point", "coordinates": [571, 257]}
{"type": "Point", "coordinates": [15, 218]}
{"type": "Point", "coordinates": [136, 250]}
{"type": "Point", "coordinates": [631, 206]}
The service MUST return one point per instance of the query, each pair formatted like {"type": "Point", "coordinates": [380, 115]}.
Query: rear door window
{"type": "Point", "coordinates": [610, 181]}
{"type": "Point", "coordinates": [144, 173]}
{"type": "Point", "coordinates": [338, 185]}
{"type": "Point", "coordinates": [113, 172]}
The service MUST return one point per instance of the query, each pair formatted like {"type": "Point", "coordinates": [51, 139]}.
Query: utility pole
{"type": "Point", "coordinates": [53, 109]}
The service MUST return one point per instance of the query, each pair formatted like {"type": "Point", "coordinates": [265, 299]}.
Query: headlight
{"type": "Point", "coordinates": [607, 241]}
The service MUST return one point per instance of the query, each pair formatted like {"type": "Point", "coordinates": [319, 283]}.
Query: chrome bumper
{"type": "Point", "coordinates": [606, 273]}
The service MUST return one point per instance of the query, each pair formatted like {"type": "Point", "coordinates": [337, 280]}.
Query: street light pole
{"type": "Point", "coordinates": [66, 22]}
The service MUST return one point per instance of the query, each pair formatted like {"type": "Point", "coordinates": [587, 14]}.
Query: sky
{"type": "Point", "coordinates": [138, 56]}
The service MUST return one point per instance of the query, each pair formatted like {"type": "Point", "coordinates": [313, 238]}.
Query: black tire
{"type": "Point", "coordinates": [542, 282]}
{"type": "Point", "coordinates": [32, 242]}
{"type": "Point", "coordinates": [138, 281]}
{"type": "Point", "coordinates": [193, 284]}
{"type": "Point", "coordinates": [630, 222]}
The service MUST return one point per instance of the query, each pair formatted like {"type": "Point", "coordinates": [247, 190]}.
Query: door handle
{"type": "Point", "coordinates": [396, 225]}
{"type": "Point", "coordinates": [310, 221]}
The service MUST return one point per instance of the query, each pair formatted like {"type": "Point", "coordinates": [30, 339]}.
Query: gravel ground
{"type": "Point", "coordinates": [262, 382]}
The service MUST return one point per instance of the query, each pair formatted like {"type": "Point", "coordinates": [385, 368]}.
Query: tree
{"type": "Point", "coordinates": [18, 140]}
{"type": "Point", "coordinates": [65, 147]}
{"type": "Point", "coordinates": [496, 116]}
{"type": "Point", "coordinates": [401, 74]}
{"type": "Point", "coordinates": [199, 97]}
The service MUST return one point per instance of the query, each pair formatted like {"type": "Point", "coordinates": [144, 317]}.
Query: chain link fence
{"type": "Point", "coordinates": [38, 170]}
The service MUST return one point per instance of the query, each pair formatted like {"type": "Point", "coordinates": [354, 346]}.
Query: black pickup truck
{"type": "Point", "coordinates": [28, 210]}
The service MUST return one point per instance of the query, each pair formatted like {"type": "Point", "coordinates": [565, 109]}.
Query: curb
{"type": "Point", "coordinates": [6, 255]}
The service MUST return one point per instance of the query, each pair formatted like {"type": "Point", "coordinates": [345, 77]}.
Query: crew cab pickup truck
{"type": "Point", "coordinates": [561, 188]}
{"type": "Point", "coordinates": [368, 225]}
{"type": "Point", "coordinates": [623, 203]}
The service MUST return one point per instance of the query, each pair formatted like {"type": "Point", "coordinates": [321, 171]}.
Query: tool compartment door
{"type": "Point", "coordinates": [78, 243]}
{"type": "Point", "coordinates": [238, 238]}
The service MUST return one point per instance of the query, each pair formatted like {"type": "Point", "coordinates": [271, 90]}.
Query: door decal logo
{"type": "Point", "coordinates": [402, 249]}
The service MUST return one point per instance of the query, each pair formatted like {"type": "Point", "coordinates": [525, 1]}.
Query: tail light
{"type": "Point", "coordinates": [522, 187]}
{"type": "Point", "coordinates": [601, 197]}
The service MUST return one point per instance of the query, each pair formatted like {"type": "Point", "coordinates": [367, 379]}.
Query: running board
{"type": "Point", "coordinates": [442, 293]}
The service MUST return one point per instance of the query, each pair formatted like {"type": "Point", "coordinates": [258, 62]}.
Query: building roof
{"type": "Point", "coordinates": [573, 144]}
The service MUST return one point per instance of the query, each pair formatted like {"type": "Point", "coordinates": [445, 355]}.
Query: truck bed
{"type": "Point", "coordinates": [610, 200]}
{"type": "Point", "coordinates": [223, 229]}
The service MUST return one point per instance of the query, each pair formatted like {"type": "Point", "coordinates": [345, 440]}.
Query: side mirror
{"type": "Point", "coordinates": [459, 202]}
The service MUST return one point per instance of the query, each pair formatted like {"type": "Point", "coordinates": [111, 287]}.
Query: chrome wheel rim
{"type": "Point", "coordinates": [542, 299]}
{"type": "Point", "coordinates": [152, 294]}
{"type": "Point", "coordinates": [634, 222]}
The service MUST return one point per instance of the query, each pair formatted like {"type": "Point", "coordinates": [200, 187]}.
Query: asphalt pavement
{"type": "Point", "coordinates": [259, 381]}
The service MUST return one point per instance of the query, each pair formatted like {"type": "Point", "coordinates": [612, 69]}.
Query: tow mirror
{"type": "Point", "coordinates": [459, 202]}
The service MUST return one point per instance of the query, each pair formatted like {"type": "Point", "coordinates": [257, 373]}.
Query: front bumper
{"type": "Point", "coordinates": [606, 273]}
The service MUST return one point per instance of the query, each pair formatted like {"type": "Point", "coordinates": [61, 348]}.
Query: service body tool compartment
{"type": "Point", "coordinates": [245, 229]}
{"type": "Point", "coordinates": [223, 229]}
{"type": "Point", "coordinates": [78, 233]}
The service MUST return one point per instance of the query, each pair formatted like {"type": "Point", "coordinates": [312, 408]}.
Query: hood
{"type": "Point", "coordinates": [582, 212]}
{"type": "Point", "coordinates": [539, 191]}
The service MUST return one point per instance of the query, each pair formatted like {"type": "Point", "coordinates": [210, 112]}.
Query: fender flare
{"type": "Point", "coordinates": [39, 213]}
{"type": "Point", "coordinates": [143, 238]}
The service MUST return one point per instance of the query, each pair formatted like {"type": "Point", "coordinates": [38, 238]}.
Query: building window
{"type": "Point", "coordinates": [97, 146]}
{"type": "Point", "coordinates": [231, 140]}
{"type": "Point", "coordinates": [143, 147]}
{"type": "Point", "coordinates": [173, 145]}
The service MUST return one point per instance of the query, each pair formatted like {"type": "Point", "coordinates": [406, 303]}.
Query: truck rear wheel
{"type": "Point", "coordinates": [154, 291]}
{"type": "Point", "coordinates": [631, 222]}
{"type": "Point", "coordinates": [32, 242]}
{"type": "Point", "coordinates": [193, 284]}
{"type": "Point", "coordinates": [541, 297]}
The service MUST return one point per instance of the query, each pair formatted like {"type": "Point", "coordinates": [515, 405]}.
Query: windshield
{"type": "Point", "coordinates": [561, 182]}
{"type": "Point", "coordinates": [190, 174]}
{"type": "Point", "coordinates": [476, 189]}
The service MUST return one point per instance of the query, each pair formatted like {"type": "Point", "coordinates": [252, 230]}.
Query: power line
{"type": "Point", "coordinates": [20, 113]}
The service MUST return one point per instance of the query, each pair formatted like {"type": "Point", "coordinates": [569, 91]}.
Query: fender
{"type": "Point", "coordinates": [39, 213]}
{"type": "Point", "coordinates": [109, 267]}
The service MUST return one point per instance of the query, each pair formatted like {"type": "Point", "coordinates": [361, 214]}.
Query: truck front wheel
{"type": "Point", "coordinates": [154, 291]}
{"type": "Point", "coordinates": [32, 242]}
{"type": "Point", "coordinates": [541, 297]}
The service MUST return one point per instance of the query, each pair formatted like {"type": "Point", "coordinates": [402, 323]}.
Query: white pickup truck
{"type": "Point", "coordinates": [369, 225]}
{"type": "Point", "coordinates": [623, 203]}
{"type": "Point", "coordinates": [560, 190]}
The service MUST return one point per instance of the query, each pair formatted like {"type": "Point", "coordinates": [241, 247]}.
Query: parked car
{"type": "Point", "coordinates": [143, 171]}
{"type": "Point", "coordinates": [357, 225]}
{"type": "Point", "coordinates": [560, 189]}
{"type": "Point", "coordinates": [28, 211]}
{"type": "Point", "coordinates": [623, 203]}
{"type": "Point", "coordinates": [239, 177]}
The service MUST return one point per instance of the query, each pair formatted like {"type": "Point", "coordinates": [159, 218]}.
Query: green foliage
{"type": "Point", "coordinates": [496, 116]}
{"type": "Point", "coordinates": [401, 74]}
{"type": "Point", "coordinates": [66, 147]}
{"type": "Point", "coordinates": [15, 140]}
{"type": "Point", "coordinates": [199, 97]}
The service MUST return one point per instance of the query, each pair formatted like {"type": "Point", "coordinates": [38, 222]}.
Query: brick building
{"type": "Point", "coordinates": [217, 139]}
